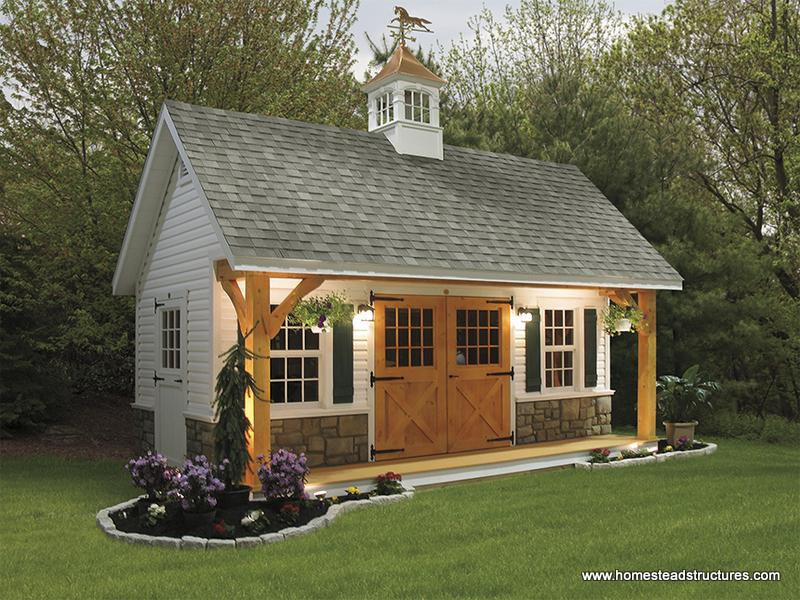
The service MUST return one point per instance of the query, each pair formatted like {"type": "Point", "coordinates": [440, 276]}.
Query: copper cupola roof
{"type": "Point", "coordinates": [403, 62]}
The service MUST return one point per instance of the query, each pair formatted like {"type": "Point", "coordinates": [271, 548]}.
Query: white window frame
{"type": "Point", "coordinates": [167, 306]}
{"type": "Point", "coordinates": [417, 103]}
{"type": "Point", "coordinates": [325, 380]}
{"type": "Point", "coordinates": [576, 306]}
{"type": "Point", "coordinates": [384, 109]}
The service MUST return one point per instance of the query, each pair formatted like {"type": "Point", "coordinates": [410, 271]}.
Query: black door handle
{"type": "Point", "coordinates": [178, 380]}
{"type": "Point", "coordinates": [453, 376]}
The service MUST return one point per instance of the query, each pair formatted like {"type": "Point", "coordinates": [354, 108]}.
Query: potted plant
{"type": "Point", "coordinates": [679, 399]}
{"type": "Point", "coordinates": [152, 474]}
{"type": "Point", "coordinates": [230, 434]}
{"type": "Point", "coordinates": [284, 476]}
{"type": "Point", "coordinates": [196, 489]}
{"type": "Point", "coordinates": [621, 319]}
{"type": "Point", "coordinates": [321, 313]}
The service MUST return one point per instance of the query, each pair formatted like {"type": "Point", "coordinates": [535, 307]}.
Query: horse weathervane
{"type": "Point", "coordinates": [406, 24]}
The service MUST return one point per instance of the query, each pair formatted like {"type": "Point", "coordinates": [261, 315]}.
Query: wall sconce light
{"type": "Point", "coordinates": [525, 315]}
{"type": "Point", "coordinates": [365, 313]}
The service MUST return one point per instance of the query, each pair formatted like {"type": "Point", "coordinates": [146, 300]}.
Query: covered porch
{"type": "Point", "coordinates": [256, 314]}
{"type": "Point", "coordinates": [464, 466]}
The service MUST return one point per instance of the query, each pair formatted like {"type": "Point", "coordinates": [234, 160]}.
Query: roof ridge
{"type": "Point", "coordinates": [361, 133]}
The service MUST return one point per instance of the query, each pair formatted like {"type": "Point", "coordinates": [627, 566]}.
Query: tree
{"type": "Point", "coordinates": [83, 84]}
{"type": "Point", "coordinates": [727, 76]}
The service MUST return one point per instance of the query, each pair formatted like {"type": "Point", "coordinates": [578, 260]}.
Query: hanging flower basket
{"type": "Point", "coordinates": [621, 319]}
{"type": "Point", "coordinates": [321, 313]}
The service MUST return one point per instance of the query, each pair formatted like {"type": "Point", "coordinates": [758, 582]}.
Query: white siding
{"type": "Point", "coordinates": [179, 264]}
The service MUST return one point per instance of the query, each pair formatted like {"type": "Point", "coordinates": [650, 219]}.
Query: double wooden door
{"type": "Point", "coordinates": [442, 375]}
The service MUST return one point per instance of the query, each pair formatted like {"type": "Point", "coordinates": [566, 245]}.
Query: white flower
{"type": "Point", "coordinates": [156, 511]}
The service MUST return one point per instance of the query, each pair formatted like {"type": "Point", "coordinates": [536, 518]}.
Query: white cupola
{"type": "Point", "coordinates": [403, 103]}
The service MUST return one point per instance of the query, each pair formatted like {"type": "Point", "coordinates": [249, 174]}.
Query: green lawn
{"type": "Point", "coordinates": [522, 536]}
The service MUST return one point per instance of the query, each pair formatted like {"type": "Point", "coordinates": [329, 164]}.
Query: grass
{"type": "Point", "coordinates": [524, 536]}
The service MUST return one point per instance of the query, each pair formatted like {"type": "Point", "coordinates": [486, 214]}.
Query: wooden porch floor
{"type": "Point", "coordinates": [468, 465]}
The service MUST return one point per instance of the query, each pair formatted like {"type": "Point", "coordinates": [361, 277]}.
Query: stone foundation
{"type": "Point", "coordinates": [199, 438]}
{"type": "Point", "coordinates": [549, 420]}
{"type": "Point", "coordinates": [327, 441]}
{"type": "Point", "coordinates": [144, 426]}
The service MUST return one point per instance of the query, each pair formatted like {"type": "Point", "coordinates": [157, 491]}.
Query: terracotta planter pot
{"type": "Point", "coordinates": [676, 431]}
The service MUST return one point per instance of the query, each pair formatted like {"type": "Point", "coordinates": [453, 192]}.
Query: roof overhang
{"type": "Point", "coordinates": [165, 148]}
{"type": "Point", "coordinates": [299, 268]}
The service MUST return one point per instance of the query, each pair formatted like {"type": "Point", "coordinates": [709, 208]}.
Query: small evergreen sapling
{"type": "Point", "coordinates": [230, 434]}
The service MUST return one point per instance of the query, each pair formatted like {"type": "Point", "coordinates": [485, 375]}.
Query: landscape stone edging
{"type": "Point", "coordinates": [657, 458]}
{"type": "Point", "coordinates": [188, 542]}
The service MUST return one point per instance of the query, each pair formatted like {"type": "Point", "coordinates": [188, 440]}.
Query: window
{"type": "Point", "coordinates": [294, 364]}
{"type": "Point", "coordinates": [409, 337]}
{"type": "Point", "coordinates": [477, 337]}
{"type": "Point", "coordinates": [171, 338]}
{"type": "Point", "coordinates": [559, 344]}
{"type": "Point", "coordinates": [384, 110]}
{"type": "Point", "coordinates": [418, 106]}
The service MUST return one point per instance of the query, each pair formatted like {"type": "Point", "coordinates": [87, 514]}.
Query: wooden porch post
{"type": "Point", "coordinates": [646, 400]}
{"type": "Point", "coordinates": [258, 409]}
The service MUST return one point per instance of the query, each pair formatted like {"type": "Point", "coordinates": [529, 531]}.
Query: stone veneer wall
{"type": "Point", "coordinates": [144, 426]}
{"type": "Point", "coordinates": [199, 438]}
{"type": "Point", "coordinates": [328, 441]}
{"type": "Point", "coordinates": [548, 420]}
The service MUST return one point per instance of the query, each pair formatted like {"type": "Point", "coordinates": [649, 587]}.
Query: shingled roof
{"type": "Point", "coordinates": [315, 198]}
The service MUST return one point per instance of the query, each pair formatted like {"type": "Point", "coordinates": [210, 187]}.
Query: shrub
{"type": "Point", "coordinates": [777, 430]}
{"type": "Point", "coordinates": [230, 434]}
{"type": "Point", "coordinates": [284, 476]}
{"type": "Point", "coordinates": [196, 487]}
{"type": "Point", "coordinates": [152, 474]}
{"type": "Point", "coordinates": [733, 425]}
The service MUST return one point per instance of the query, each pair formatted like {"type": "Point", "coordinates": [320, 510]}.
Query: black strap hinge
{"type": "Point", "coordinates": [373, 298]}
{"type": "Point", "coordinates": [510, 302]}
{"type": "Point", "coordinates": [508, 438]}
{"type": "Point", "coordinates": [373, 452]}
{"type": "Point", "coordinates": [501, 373]}
{"type": "Point", "coordinates": [373, 379]}
{"type": "Point", "coordinates": [156, 378]}
{"type": "Point", "coordinates": [156, 305]}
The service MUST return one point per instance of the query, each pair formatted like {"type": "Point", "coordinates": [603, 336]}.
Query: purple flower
{"type": "Point", "coordinates": [151, 473]}
{"type": "Point", "coordinates": [284, 476]}
{"type": "Point", "coordinates": [196, 486]}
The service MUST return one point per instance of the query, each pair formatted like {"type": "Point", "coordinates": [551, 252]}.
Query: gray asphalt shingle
{"type": "Point", "coordinates": [288, 189]}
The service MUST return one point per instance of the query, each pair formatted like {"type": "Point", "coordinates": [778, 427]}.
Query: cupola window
{"type": "Point", "coordinates": [418, 106]}
{"type": "Point", "coordinates": [384, 109]}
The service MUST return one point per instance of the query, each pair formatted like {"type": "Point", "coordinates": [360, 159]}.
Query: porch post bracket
{"type": "Point", "coordinates": [275, 319]}
{"type": "Point", "coordinates": [226, 277]}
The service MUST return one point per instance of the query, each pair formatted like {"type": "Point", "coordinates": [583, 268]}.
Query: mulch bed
{"type": "Point", "coordinates": [87, 427]}
{"type": "Point", "coordinates": [227, 522]}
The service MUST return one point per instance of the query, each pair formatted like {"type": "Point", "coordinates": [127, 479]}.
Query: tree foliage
{"type": "Point", "coordinates": [84, 81]}
{"type": "Point", "coordinates": [688, 123]}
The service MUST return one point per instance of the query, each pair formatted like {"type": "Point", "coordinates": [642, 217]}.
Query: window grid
{"type": "Point", "coordinates": [559, 342]}
{"type": "Point", "coordinates": [408, 337]}
{"type": "Point", "coordinates": [294, 364]}
{"type": "Point", "coordinates": [384, 109]}
{"type": "Point", "coordinates": [171, 338]}
{"type": "Point", "coordinates": [418, 106]}
{"type": "Point", "coordinates": [478, 337]}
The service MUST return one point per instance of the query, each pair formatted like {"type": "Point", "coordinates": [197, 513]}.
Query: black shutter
{"type": "Point", "coordinates": [589, 347]}
{"type": "Point", "coordinates": [343, 363]}
{"type": "Point", "coordinates": [533, 353]}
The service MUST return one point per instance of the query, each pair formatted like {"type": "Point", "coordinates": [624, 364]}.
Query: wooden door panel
{"type": "Point", "coordinates": [478, 363]}
{"type": "Point", "coordinates": [410, 348]}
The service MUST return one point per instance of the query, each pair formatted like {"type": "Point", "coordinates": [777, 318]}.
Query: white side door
{"type": "Point", "coordinates": [170, 379]}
